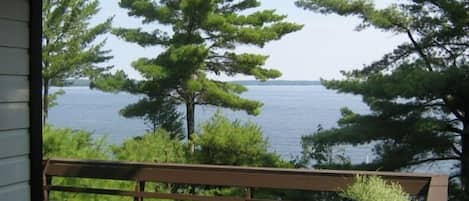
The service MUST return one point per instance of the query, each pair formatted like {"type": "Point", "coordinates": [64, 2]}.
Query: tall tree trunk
{"type": "Point", "coordinates": [465, 159]}
{"type": "Point", "coordinates": [45, 102]}
{"type": "Point", "coordinates": [190, 113]}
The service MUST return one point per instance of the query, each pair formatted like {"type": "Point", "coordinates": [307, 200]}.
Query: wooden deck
{"type": "Point", "coordinates": [433, 187]}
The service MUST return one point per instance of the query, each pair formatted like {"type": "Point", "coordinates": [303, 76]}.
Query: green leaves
{"type": "Point", "coordinates": [203, 37]}
{"type": "Point", "coordinates": [225, 142]}
{"type": "Point", "coordinates": [69, 42]}
{"type": "Point", "coordinates": [247, 64]}
{"type": "Point", "coordinates": [61, 142]}
{"type": "Point", "coordinates": [158, 113]}
{"type": "Point", "coordinates": [112, 82]}
{"type": "Point", "coordinates": [142, 38]}
{"type": "Point", "coordinates": [157, 147]}
{"type": "Point", "coordinates": [372, 188]}
{"type": "Point", "coordinates": [390, 18]}
{"type": "Point", "coordinates": [225, 95]}
{"type": "Point", "coordinates": [69, 45]}
{"type": "Point", "coordinates": [417, 93]}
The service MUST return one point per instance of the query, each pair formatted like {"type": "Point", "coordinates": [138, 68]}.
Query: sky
{"type": "Point", "coordinates": [325, 46]}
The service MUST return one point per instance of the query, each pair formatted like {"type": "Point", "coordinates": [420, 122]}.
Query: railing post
{"type": "Point", "coordinates": [46, 180]}
{"type": "Point", "coordinates": [248, 193]}
{"type": "Point", "coordinates": [438, 188]}
{"type": "Point", "coordinates": [139, 187]}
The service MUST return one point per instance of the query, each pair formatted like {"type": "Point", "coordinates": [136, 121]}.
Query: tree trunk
{"type": "Point", "coordinates": [45, 102]}
{"type": "Point", "coordinates": [190, 112]}
{"type": "Point", "coordinates": [465, 159]}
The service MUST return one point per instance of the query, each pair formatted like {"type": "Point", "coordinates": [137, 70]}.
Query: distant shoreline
{"type": "Point", "coordinates": [85, 83]}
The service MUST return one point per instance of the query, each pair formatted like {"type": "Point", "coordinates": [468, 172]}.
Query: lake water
{"type": "Point", "coordinates": [289, 112]}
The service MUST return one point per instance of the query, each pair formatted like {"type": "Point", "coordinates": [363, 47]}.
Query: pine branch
{"type": "Point", "coordinates": [418, 162]}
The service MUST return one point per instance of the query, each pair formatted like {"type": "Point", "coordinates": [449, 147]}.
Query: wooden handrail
{"type": "Point", "coordinates": [434, 186]}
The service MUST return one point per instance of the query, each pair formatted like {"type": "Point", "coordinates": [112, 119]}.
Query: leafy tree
{"type": "Point", "coordinates": [69, 47]}
{"type": "Point", "coordinates": [202, 41]}
{"type": "Point", "coordinates": [418, 93]}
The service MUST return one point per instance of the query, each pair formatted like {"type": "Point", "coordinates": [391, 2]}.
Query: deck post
{"type": "Point", "coordinates": [438, 188]}
{"type": "Point", "coordinates": [46, 180]}
{"type": "Point", "coordinates": [139, 187]}
{"type": "Point", "coordinates": [47, 183]}
{"type": "Point", "coordinates": [248, 193]}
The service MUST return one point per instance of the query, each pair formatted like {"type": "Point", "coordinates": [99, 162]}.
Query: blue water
{"type": "Point", "coordinates": [289, 112]}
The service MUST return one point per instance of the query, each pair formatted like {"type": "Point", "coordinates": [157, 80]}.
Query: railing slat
{"type": "Point", "coordinates": [142, 194]}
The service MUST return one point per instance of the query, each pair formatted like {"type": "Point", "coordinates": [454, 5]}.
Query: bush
{"type": "Point", "coordinates": [373, 188]}
{"type": "Point", "coordinates": [68, 143]}
{"type": "Point", "coordinates": [78, 144]}
{"type": "Point", "coordinates": [225, 142]}
{"type": "Point", "coordinates": [156, 147]}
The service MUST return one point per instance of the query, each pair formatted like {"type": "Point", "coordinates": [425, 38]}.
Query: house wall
{"type": "Point", "coordinates": [14, 101]}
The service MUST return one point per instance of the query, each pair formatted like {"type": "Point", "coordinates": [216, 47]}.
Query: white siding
{"type": "Point", "coordinates": [13, 62]}
{"type": "Point", "coordinates": [14, 34]}
{"type": "Point", "coordinates": [14, 10]}
{"type": "Point", "coordinates": [14, 97]}
{"type": "Point", "coordinates": [13, 116]}
{"type": "Point", "coordinates": [15, 143]}
{"type": "Point", "coordinates": [17, 192]}
{"type": "Point", "coordinates": [14, 88]}
{"type": "Point", "coordinates": [14, 170]}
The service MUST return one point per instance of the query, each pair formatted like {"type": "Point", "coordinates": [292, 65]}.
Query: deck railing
{"type": "Point", "coordinates": [433, 187]}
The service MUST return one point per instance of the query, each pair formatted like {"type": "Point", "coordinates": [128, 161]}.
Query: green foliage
{"type": "Point", "coordinates": [417, 93]}
{"type": "Point", "coordinates": [221, 142]}
{"type": "Point", "coordinates": [53, 98]}
{"type": "Point", "coordinates": [77, 144]}
{"type": "Point", "coordinates": [157, 114]}
{"type": "Point", "coordinates": [69, 48]}
{"type": "Point", "coordinates": [225, 142]}
{"type": "Point", "coordinates": [156, 147]}
{"type": "Point", "coordinates": [373, 188]}
{"type": "Point", "coordinates": [202, 41]}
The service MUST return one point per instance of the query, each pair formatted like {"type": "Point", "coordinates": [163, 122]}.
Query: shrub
{"type": "Point", "coordinates": [68, 143]}
{"type": "Point", "coordinates": [158, 147]}
{"type": "Point", "coordinates": [77, 144]}
{"type": "Point", "coordinates": [225, 142]}
{"type": "Point", "coordinates": [373, 188]}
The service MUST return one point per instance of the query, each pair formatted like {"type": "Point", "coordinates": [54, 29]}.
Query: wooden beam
{"type": "Point", "coordinates": [316, 180]}
{"type": "Point", "coordinates": [438, 188]}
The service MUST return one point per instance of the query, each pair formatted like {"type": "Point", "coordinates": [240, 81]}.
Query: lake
{"type": "Point", "coordinates": [289, 112]}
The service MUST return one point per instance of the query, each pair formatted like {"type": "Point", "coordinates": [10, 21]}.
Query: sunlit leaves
{"type": "Point", "coordinates": [225, 142]}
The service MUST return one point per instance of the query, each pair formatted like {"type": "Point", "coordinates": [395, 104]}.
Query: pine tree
{"type": "Point", "coordinates": [69, 47]}
{"type": "Point", "coordinates": [202, 42]}
{"type": "Point", "coordinates": [157, 113]}
{"type": "Point", "coordinates": [418, 93]}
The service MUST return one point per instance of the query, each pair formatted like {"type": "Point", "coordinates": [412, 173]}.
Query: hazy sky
{"type": "Point", "coordinates": [324, 47]}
